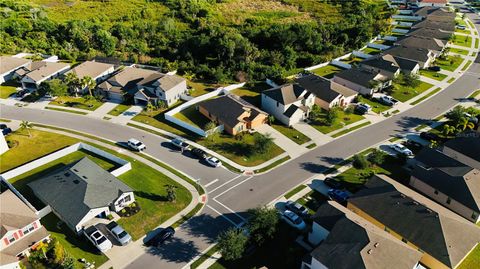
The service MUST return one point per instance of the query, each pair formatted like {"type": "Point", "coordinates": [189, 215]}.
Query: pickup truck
{"type": "Point", "coordinates": [119, 233]}
{"type": "Point", "coordinates": [98, 239]}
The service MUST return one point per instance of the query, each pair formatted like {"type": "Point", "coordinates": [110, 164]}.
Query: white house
{"type": "Point", "coordinates": [41, 72]}
{"type": "Point", "coordinates": [97, 71]}
{"type": "Point", "coordinates": [8, 66]}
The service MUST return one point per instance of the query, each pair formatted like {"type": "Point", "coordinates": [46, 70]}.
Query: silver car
{"type": "Point", "coordinates": [119, 233]}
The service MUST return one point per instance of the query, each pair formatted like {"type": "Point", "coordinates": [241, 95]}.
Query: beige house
{"type": "Point", "coordinates": [38, 72]}
{"type": "Point", "coordinates": [97, 71]}
{"type": "Point", "coordinates": [362, 81]}
{"type": "Point", "coordinates": [8, 66]}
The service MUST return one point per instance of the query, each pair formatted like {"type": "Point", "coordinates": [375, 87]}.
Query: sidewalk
{"type": "Point", "coordinates": [293, 149]}
{"type": "Point", "coordinates": [317, 137]}
{"type": "Point", "coordinates": [103, 109]}
{"type": "Point", "coordinates": [127, 115]}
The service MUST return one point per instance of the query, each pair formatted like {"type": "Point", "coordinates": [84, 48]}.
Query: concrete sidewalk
{"type": "Point", "coordinates": [293, 149]}
{"type": "Point", "coordinates": [127, 115]}
{"type": "Point", "coordinates": [103, 109]}
{"type": "Point", "coordinates": [317, 137]}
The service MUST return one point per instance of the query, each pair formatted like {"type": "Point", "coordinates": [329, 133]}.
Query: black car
{"type": "Point", "coordinates": [434, 68]}
{"type": "Point", "coordinates": [414, 145]}
{"type": "Point", "coordinates": [22, 93]}
{"type": "Point", "coordinates": [333, 183]}
{"type": "Point", "coordinates": [6, 131]}
{"type": "Point", "coordinates": [429, 136]}
{"type": "Point", "coordinates": [161, 237]}
{"type": "Point", "coordinates": [3, 126]}
{"type": "Point", "coordinates": [200, 153]}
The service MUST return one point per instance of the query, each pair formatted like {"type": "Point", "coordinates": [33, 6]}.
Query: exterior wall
{"type": "Point", "coordinates": [441, 198]}
{"type": "Point", "coordinates": [318, 234]}
{"type": "Point", "coordinates": [78, 227]}
{"type": "Point", "coordinates": [9, 74]}
{"type": "Point", "coordinates": [18, 234]}
{"type": "Point", "coordinates": [14, 265]}
{"type": "Point", "coordinates": [461, 157]}
{"type": "Point", "coordinates": [353, 86]}
{"type": "Point", "coordinates": [3, 144]}
{"type": "Point", "coordinates": [115, 96]}
{"type": "Point", "coordinates": [119, 204]}
{"type": "Point", "coordinates": [173, 95]}
{"type": "Point", "coordinates": [274, 108]}
{"type": "Point", "coordinates": [318, 265]}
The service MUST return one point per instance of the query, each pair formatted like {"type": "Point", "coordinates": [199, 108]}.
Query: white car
{"type": "Point", "coordinates": [387, 100]}
{"type": "Point", "coordinates": [401, 149]}
{"type": "Point", "coordinates": [213, 161]}
{"type": "Point", "coordinates": [98, 239]}
{"type": "Point", "coordinates": [136, 145]}
{"type": "Point", "coordinates": [119, 233]}
{"type": "Point", "coordinates": [293, 220]}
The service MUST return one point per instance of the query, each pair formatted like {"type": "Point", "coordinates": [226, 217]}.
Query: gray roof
{"type": "Point", "coordinates": [46, 70]}
{"type": "Point", "coordinates": [286, 94]}
{"type": "Point", "coordinates": [90, 69]}
{"type": "Point", "coordinates": [468, 146]}
{"type": "Point", "coordinates": [429, 33]}
{"type": "Point", "coordinates": [358, 76]}
{"type": "Point", "coordinates": [74, 190]}
{"type": "Point", "coordinates": [438, 25]}
{"type": "Point", "coordinates": [422, 42]}
{"type": "Point", "coordinates": [327, 216]}
{"type": "Point", "coordinates": [292, 109]}
{"type": "Point", "coordinates": [7, 63]}
{"type": "Point", "coordinates": [321, 88]}
{"type": "Point", "coordinates": [446, 239]}
{"type": "Point", "coordinates": [413, 54]}
{"type": "Point", "coordinates": [383, 62]}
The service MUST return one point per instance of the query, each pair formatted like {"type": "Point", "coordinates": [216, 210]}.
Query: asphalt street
{"type": "Point", "coordinates": [229, 194]}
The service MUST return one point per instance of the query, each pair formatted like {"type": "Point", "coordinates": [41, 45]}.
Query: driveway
{"type": "Point", "coordinates": [291, 148]}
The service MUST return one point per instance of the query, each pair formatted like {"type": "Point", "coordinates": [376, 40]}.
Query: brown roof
{"type": "Point", "coordinates": [7, 63]}
{"type": "Point", "coordinates": [8, 255]}
{"type": "Point", "coordinates": [90, 69]}
{"type": "Point", "coordinates": [131, 75]}
{"type": "Point", "coordinates": [14, 213]}
{"type": "Point", "coordinates": [45, 70]}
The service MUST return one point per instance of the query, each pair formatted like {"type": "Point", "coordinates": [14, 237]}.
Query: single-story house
{"type": "Point", "coordinates": [288, 103]}
{"type": "Point", "coordinates": [423, 57]}
{"type": "Point", "coordinates": [437, 25]}
{"type": "Point", "coordinates": [326, 96]}
{"type": "Point", "coordinates": [464, 149]}
{"type": "Point", "coordinates": [20, 230]}
{"type": "Point", "coordinates": [363, 81]}
{"type": "Point", "coordinates": [432, 44]}
{"type": "Point", "coordinates": [449, 182]}
{"type": "Point", "coordinates": [97, 71]}
{"type": "Point", "coordinates": [36, 73]}
{"type": "Point", "coordinates": [81, 191]}
{"type": "Point", "coordinates": [8, 66]}
{"type": "Point", "coordinates": [384, 64]}
{"type": "Point", "coordinates": [430, 33]}
{"type": "Point", "coordinates": [443, 238]}
{"type": "Point", "coordinates": [432, 3]}
{"type": "Point", "coordinates": [235, 114]}
{"type": "Point", "coordinates": [354, 243]}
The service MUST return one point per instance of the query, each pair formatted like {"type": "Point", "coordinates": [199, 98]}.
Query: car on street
{"type": "Point", "coordinates": [387, 100]}
{"type": "Point", "coordinates": [293, 220]}
{"type": "Point", "coordinates": [429, 136]}
{"type": "Point", "coordinates": [119, 233]}
{"type": "Point", "coordinates": [98, 239]}
{"type": "Point", "coordinates": [296, 208]}
{"type": "Point", "coordinates": [213, 161]}
{"type": "Point", "coordinates": [338, 195]}
{"type": "Point", "coordinates": [179, 143]}
{"type": "Point", "coordinates": [200, 153]}
{"type": "Point", "coordinates": [136, 145]}
{"type": "Point", "coordinates": [333, 183]}
{"type": "Point", "coordinates": [413, 145]}
{"type": "Point", "coordinates": [161, 237]}
{"type": "Point", "coordinates": [362, 109]}
{"type": "Point", "coordinates": [434, 68]}
{"type": "Point", "coordinates": [401, 149]}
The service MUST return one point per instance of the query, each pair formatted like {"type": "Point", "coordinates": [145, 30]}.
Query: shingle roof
{"type": "Point", "coordinates": [130, 76]}
{"type": "Point", "coordinates": [429, 33]}
{"type": "Point", "coordinates": [358, 76]}
{"type": "Point", "coordinates": [414, 54]}
{"type": "Point", "coordinates": [8, 64]}
{"type": "Point", "coordinates": [90, 69]}
{"type": "Point", "coordinates": [383, 62]}
{"type": "Point", "coordinates": [14, 213]}
{"type": "Point", "coordinates": [469, 146]}
{"type": "Point", "coordinates": [75, 189]}
{"type": "Point", "coordinates": [432, 24]}
{"type": "Point", "coordinates": [422, 42]}
{"type": "Point", "coordinates": [446, 239]}
{"type": "Point", "coordinates": [45, 70]}
{"type": "Point", "coordinates": [327, 216]}
{"type": "Point", "coordinates": [321, 88]}
{"type": "Point", "coordinates": [286, 94]}
{"type": "Point", "coordinates": [405, 64]}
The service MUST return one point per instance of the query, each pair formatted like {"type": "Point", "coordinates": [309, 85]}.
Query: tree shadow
{"type": "Point", "coordinates": [408, 123]}
{"type": "Point", "coordinates": [151, 196]}
{"type": "Point", "coordinates": [175, 250]}
{"type": "Point", "coordinates": [331, 160]}
{"type": "Point", "coordinates": [313, 167]}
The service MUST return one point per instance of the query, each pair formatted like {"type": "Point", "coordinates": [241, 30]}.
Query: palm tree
{"type": "Point", "coordinates": [448, 129]}
{"type": "Point", "coordinates": [73, 82]}
{"type": "Point", "coordinates": [27, 126]}
{"type": "Point", "coordinates": [465, 124]}
{"type": "Point", "coordinates": [89, 83]}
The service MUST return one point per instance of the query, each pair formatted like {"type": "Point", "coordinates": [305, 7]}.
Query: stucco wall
{"type": "Point", "coordinates": [353, 86]}
{"type": "Point", "coordinates": [173, 94]}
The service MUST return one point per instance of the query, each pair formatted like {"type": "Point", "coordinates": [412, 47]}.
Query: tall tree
{"type": "Point", "coordinates": [262, 142]}
{"type": "Point", "coordinates": [262, 224]}
{"type": "Point", "coordinates": [232, 243]}
{"type": "Point", "coordinates": [89, 83]}
{"type": "Point", "coordinates": [73, 82]}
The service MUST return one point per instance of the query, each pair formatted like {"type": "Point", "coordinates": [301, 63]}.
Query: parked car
{"type": "Point", "coordinates": [387, 100]}
{"type": "Point", "coordinates": [296, 208]}
{"type": "Point", "coordinates": [293, 220]}
{"type": "Point", "coordinates": [401, 149]}
{"type": "Point", "coordinates": [179, 143]}
{"type": "Point", "coordinates": [413, 145]}
{"type": "Point", "coordinates": [98, 239]}
{"type": "Point", "coordinates": [333, 183]}
{"type": "Point", "coordinates": [200, 153]}
{"type": "Point", "coordinates": [429, 136]}
{"type": "Point", "coordinates": [338, 195]}
{"type": "Point", "coordinates": [213, 161]}
{"type": "Point", "coordinates": [471, 118]}
{"type": "Point", "coordinates": [161, 237]}
{"type": "Point", "coordinates": [22, 93]}
{"type": "Point", "coordinates": [461, 27]}
{"type": "Point", "coordinates": [3, 126]}
{"type": "Point", "coordinates": [6, 131]}
{"type": "Point", "coordinates": [119, 233]}
{"type": "Point", "coordinates": [136, 145]}
{"type": "Point", "coordinates": [362, 108]}
{"type": "Point", "coordinates": [434, 68]}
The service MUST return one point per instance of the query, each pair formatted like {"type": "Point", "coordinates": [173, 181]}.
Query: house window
{"type": "Point", "coordinates": [28, 229]}
{"type": "Point", "coordinates": [436, 191]}
{"type": "Point", "coordinates": [474, 215]}
{"type": "Point", "coordinates": [119, 202]}
{"type": "Point", "coordinates": [11, 239]}
{"type": "Point", "coordinates": [449, 200]}
{"type": "Point", "coordinates": [127, 198]}
{"type": "Point", "coordinates": [278, 104]}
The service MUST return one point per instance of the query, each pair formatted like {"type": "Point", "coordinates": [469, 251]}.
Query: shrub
{"type": "Point", "coordinates": [109, 216]}
{"type": "Point", "coordinates": [377, 157]}
{"type": "Point", "coordinates": [360, 162]}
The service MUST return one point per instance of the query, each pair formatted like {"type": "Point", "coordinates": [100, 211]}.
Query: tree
{"type": "Point", "coordinates": [209, 126]}
{"type": "Point", "coordinates": [448, 129]}
{"type": "Point", "coordinates": [331, 116]}
{"type": "Point", "coordinates": [232, 243]}
{"type": "Point", "coordinates": [171, 193]}
{"type": "Point", "coordinates": [54, 87]}
{"type": "Point", "coordinates": [89, 83]}
{"type": "Point", "coordinates": [465, 124]}
{"type": "Point", "coordinates": [377, 156]}
{"type": "Point", "coordinates": [262, 224]}
{"type": "Point", "coordinates": [262, 142]}
{"type": "Point", "coordinates": [271, 119]}
{"type": "Point", "coordinates": [315, 112]}
{"type": "Point", "coordinates": [456, 115]}
{"type": "Point", "coordinates": [359, 161]}
{"type": "Point", "coordinates": [73, 82]}
{"type": "Point", "coordinates": [150, 107]}
{"type": "Point", "coordinates": [26, 125]}
{"type": "Point", "coordinates": [411, 80]}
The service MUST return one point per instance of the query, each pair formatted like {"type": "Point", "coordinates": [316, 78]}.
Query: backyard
{"type": "Point", "coordinates": [342, 119]}
{"type": "Point", "coordinates": [371, 51]}
{"type": "Point", "coordinates": [88, 103]}
{"type": "Point", "coordinates": [199, 87]}
{"type": "Point", "coordinates": [451, 63]}
{"type": "Point", "coordinates": [327, 71]}
{"type": "Point", "coordinates": [404, 93]}
{"type": "Point", "coordinates": [192, 116]}
{"type": "Point", "coordinates": [251, 93]}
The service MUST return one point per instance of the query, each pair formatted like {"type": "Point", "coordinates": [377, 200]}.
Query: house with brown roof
{"type": "Point", "coordinates": [432, 44]}
{"type": "Point", "coordinates": [95, 70]}
{"type": "Point", "coordinates": [235, 114]}
{"type": "Point", "coordinates": [20, 230]}
{"type": "Point", "coordinates": [8, 66]}
{"type": "Point", "coordinates": [362, 81]}
{"type": "Point", "coordinates": [37, 72]}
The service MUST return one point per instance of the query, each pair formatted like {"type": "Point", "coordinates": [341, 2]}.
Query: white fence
{"type": "Point", "coordinates": [341, 64]}
{"type": "Point", "coordinates": [316, 66]}
{"type": "Point", "coordinates": [170, 114]}
{"type": "Point", "coordinates": [362, 55]}
{"type": "Point", "coordinates": [405, 17]}
{"type": "Point", "coordinates": [400, 31]}
{"type": "Point", "coordinates": [378, 46]}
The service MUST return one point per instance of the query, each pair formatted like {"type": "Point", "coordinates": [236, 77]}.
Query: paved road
{"type": "Point", "coordinates": [230, 194]}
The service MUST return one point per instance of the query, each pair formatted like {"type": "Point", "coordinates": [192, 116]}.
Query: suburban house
{"type": "Point", "coordinates": [449, 182]}
{"type": "Point", "coordinates": [433, 24]}
{"type": "Point", "coordinates": [386, 65]}
{"type": "Point", "coordinates": [235, 114]}
{"type": "Point", "coordinates": [363, 81]}
{"type": "Point", "coordinates": [8, 66]}
{"type": "Point", "coordinates": [20, 230]}
{"type": "Point", "coordinates": [82, 191]}
{"type": "Point", "coordinates": [432, 44]}
{"type": "Point", "coordinates": [423, 57]}
{"type": "Point", "coordinates": [38, 72]}
{"type": "Point", "coordinates": [326, 96]}
{"type": "Point", "coordinates": [443, 238]}
{"type": "Point", "coordinates": [97, 71]}
{"type": "Point", "coordinates": [430, 33]}
{"type": "Point", "coordinates": [431, 3]}
{"type": "Point", "coordinates": [464, 149]}
{"type": "Point", "coordinates": [290, 103]}
{"type": "Point", "coordinates": [354, 243]}
{"type": "Point", "coordinates": [144, 86]}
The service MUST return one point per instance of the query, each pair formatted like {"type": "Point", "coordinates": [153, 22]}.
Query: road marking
{"type": "Point", "coordinates": [210, 183]}
{"type": "Point", "coordinates": [225, 183]}
{"type": "Point", "coordinates": [225, 217]}
{"type": "Point", "coordinates": [228, 208]}
{"type": "Point", "coordinates": [234, 186]}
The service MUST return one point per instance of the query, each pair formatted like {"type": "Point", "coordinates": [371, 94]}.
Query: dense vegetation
{"type": "Point", "coordinates": [219, 40]}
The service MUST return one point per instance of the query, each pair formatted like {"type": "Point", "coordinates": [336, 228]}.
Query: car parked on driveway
{"type": "Point", "coordinates": [136, 145]}
{"type": "Point", "coordinates": [119, 233]}
{"type": "Point", "coordinates": [180, 143]}
{"type": "Point", "coordinates": [362, 109]}
{"type": "Point", "coordinates": [98, 239]}
{"type": "Point", "coordinates": [6, 131]}
{"type": "Point", "coordinates": [293, 220]}
{"type": "Point", "coordinates": [338, 195]}
{"type": "Point", "coordinates": [296, 208]}
{"type": "Point", "coordinates": [387, 100]}
{"type": "Point", "coordinates": [161, 237]}
{"type": "Point", "coordinates": [434, 68]}
{"type": "Point", "coordinates": [401, 149]}
{"type": "Point", "coordinates": [333, 183]}
{"type": "Point", "coordinates": [200, 153]}
{"type": "Point", "coordinates": [213, 161]}
{"type": "Point", "coordinates": [429, 136]}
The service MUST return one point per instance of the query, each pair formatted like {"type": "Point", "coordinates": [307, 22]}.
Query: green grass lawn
{"type": "Point", "coordinates": [371, 51]}
{"type": "Point", "coordinates": [451, 63]}
{"type": "Point", "coordinates": [119, 110]}
{"type": "Point", "coordinates": [340, 122]}
{"type": "Point", "coordinates": [467, 65]}
{"type": "Point", "coordinates": [291, 133]}
{"type": "Point", "coordinates": [77, 246]}
{"type": "Point", "coordinates": [199, 87]}
{"type": "Point", "coordinates": [464, 41]}
{"type": "Point", "coordinates": [466, 31]}
{"type": "Point", "coordinates": [403, 93]}
{"type": "Point", "coordinates": [251, 93]}
{"type": "Point", "coordinates": [377, 107]}
{"type": "Point", "coordinates": [472, 260]}
{"type": "Point", "coordinates": [8, 88]}
{"type": "Point", "coordinates": [327, 71]}
{"type": "Point", "coordinates": [294, 191]}
{"type": "Point", "coordinates": [240, 151]}
{"type": "Point", "coordinates": [76, 102]}
{"type": "Point", "coordinates": [459, 51]}
{"type": "Point", "coordinates": [192, 116]}
{"type": "Point", "coordinates": [432, 74]}
{"type": "Point", "coordinates": [352, 60]}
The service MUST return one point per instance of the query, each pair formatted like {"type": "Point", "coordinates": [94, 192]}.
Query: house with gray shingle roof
{"type": "Point", "coordinates": [81, 191]}
{"type": "Point", "coordinates": [95, 70]}
{"type": "Point", "coordinates": [36, 73]}
{"type": "Point", "coordinates": [8, 66]}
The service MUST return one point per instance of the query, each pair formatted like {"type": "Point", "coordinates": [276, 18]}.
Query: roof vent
{"type": "Point", "coordinates": [369, 251]}
{"type": "Point", "coordinates": [67, 174]}
{"type": "Point", "coordinates": [376, 244]}
{"type": "Point", "coordinates": [84, 177]}
{"type": "Point", "coordinates": [76, 181]}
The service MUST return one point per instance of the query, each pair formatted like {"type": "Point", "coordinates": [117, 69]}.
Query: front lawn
{"type": "Point", "coordinates": [7, 89]}
{"type": "Point", "coordinates": [193, 117]}
{"type": "Point", "coordinates": [341, 121]}
{"type": "Point", "coordinates": [404, 93]}
{"type": "Point", "coordinates": [451, 63]}
{"type": "Point", "coordinates": [77, 102]}
{"type": "Point", "coordinates": [377, 107]}
{"type": "Point", "coordinates": [240, 150]}
{"type": "Point", "coordinates": [459, 51]}
{"type": "Point", "coordinates": [432, 74]}
{"type": "Point", "coordinates": [119, 110]}
{"type": "Point", "coordinates": [327, 71]}
{"type": "Point", "coordinates": [464, 41]}
{"type": "Point", "coordinates": [291, 133]}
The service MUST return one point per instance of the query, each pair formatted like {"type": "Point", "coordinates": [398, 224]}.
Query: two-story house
{"type": "Point", "coordinates": [464, 149]}
{"type": "Point", "coordinates": [390, 66]}
{"type": "Point", "coordinates": [20, 230]}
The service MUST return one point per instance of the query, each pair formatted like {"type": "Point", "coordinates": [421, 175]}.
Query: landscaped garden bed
{"type": "Point", "coordinates": [87, 103]}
